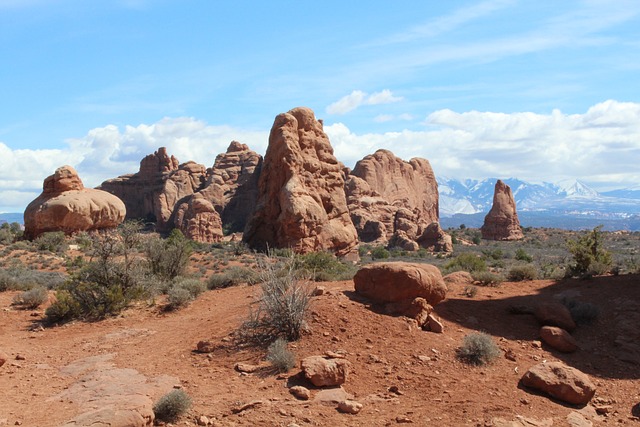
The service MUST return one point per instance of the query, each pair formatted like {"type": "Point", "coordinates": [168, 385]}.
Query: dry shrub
{"type": "Point", "coordinates": [172, 406]}
{"type": "Point", "coordinates": [478, 348]}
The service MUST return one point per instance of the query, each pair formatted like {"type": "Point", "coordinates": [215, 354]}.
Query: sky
{"type": "Point", "coordinates": [535, 90]}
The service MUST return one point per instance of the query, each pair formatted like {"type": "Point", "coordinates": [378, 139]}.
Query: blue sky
{"type": "Point", "coordinates": [498, 88]}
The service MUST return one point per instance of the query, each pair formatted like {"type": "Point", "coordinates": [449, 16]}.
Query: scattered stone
{"type": "Point", "coordinates": [3, 358]}
{"type": "Point", "coordinates": [247, 406]}
{"type": "Point", "coordinates": [521, 421]}
{"type": "Point", "coordinates": [205, 347]}
{"type": "Point", "coordinates": [510, 355]}
{"type": "Point", "coordinates": [434, 325]}
{"type": "Point", "coordinates": [325, 372]}
{"type": "Point", "coordinates": [20, 357]}
{"type": "Point", "coordinates": [350, 407]}
{"type": "Point", "coordinates": [558, 338]}
{"type": "Point", "coordinates": [501, 223]}
{"type": "Point", "coordinates": [561, 382]}
{"type": "Point", "coordinates": [404, 420]}
{"type": "Point", "coordinates": [555, 314]}
{"type": "Point", "coordinates": [319, 290]}
{"type": "Point", "coordinates": [331, 396]}
{"type": "Point", "coordinates": [248, 368]}
{"type": "Point", "coordinates": [395, 390]}
{"type": "Point", "coordinates": [202, 420]}
{"type": "Point", "coordinates": [300, 392]}
{"type": "Point", "coordinates": [575, 419]}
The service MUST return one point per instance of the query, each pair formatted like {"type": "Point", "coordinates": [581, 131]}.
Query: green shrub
{"type": "Point", "coordinates": [379, 252]}
{"type": "Point", "coordinates": [233, 276]}
{"type": "Point", "coordinates": [478, 348]}
{"type": "Point", "coordinates": [495, 254]}
{"type": "Point", "coordinates": [324, 267]}
{"type": "Point", "coordinates": [280, 356]}
{"type": "Point", "coordinates": [63, 309]}
{"type": "Point", "coordinates": [52, 241]}
{"type": "Point", "coordinates": [487, 278]}
{"type": "Point", "coordinates": [168, 258]}
{"type": "Point", "coordinates": [590, 258]}
{"type": "Point", "coordinates": [522, 272]}
{"type": "Point", "coordinates": [33, 298]}
{"type": "Point", "coordinates": [522, 255]}
{"type": "Point", "coordinates": [21, 278]}
{"type": "Point", "coordinates": [178, 297]}
{"type": "Point", "coordinates": [467, 262]}
{"type": "Point", "coordinates": [172, 406]}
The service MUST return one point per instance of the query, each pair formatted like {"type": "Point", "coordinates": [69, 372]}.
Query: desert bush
{"type": "Point", "coordinates": [21, 278]}
{"type": "Point", "coordinates": [172, 406]}
{"type": "Point", "coordinates": [522, 255]}
{"type": "Point", "coordinates": [52, 241]}
{"type": "Point", "coordinates": [470, 291]}
{"type": "Point", "coordinates": [495, 254]}
{"type": "Point", "coordinates": [478, 348]}
{"type": "Point", "coordinates": [281, 309]}
{"type": "Point", "coordinates": [63, 309]}
{"type": "Point", "coordinates": [590, 258]}
{"type": "Point", "coordinates": [379, 252]}
{"type": "Point", "coordinates": [168, 258]}
{"type": "Point", "coordinates": [324, 267]}
{"type": "Point", "coordinates": [33, 298]}
{"type": "Point", "coordinates": [183, 291]}
{"type": "Point", "coordinates": [9, 233]}
{"type": "Point", "coordinates": [280, 356]}
{"type": "Point", "coordinates": [467, 261]}
{"type": "Point", "coordinates": [583, 313]}
{"type": "Point", "coordinates": [487, 278]}
{"type": "Point", "coordinates": [522, 272]}
{"type": "Point", "coordinates": [233, 276]}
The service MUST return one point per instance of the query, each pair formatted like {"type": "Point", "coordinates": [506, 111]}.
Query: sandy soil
{"type": "Point", "coordinates": [430, 385]}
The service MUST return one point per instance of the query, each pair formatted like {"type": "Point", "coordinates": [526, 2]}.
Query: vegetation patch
{"type": "Point", "coordinates": [478, 349]}
{"type": "Point", "coordinates": [172, 406]}
{"type": "Point", "coordinates": [280, 357]}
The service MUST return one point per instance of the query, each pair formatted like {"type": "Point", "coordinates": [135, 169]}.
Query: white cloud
{"type": "Point", "coordinates": [108, 152]}
{"type": "Point", "coordinates": [357, 98]}
{"type": "Point", "coordinates": [600, 147]}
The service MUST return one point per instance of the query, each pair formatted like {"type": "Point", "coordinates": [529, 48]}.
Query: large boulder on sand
{"type": "Point", "coordinates": [325, 372]}
{"type": "Point", "coordinates": [386, 282]}
{"type": "Point", "coordinates": [560, 381]}
{"type": "Point", "coordinates": [502, 223]}
{"type": "Point", "coordinates": [302, 203]}
{"type": "Point", "coordinates": [65, 205]}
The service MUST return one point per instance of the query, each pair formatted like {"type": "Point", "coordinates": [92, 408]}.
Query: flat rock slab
{"type": "Point", "coordinates": [109, 396]}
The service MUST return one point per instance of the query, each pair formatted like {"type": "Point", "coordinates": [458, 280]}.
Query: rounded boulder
{"type": "Point", "coordinates": [386, 282]}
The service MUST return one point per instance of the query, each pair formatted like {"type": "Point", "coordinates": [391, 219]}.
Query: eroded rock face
{"type": "Point", "coordinates": [153, 192]}
{"type": "Point", "coordinates": [302, 203]}
{"type": "Point", "coordinates": [65, 205]}
{"type": "Point", "coordinates": [560, 381]}
{"type": "Point", "coordinates": [198, 219]}
{"type": "Point", "coordinates": [502, 223]}
{"type": "Point", "coordinates": [396, 202]}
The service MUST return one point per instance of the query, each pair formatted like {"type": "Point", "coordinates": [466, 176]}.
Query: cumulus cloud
{"type": "Point", "coordinates": [357, 98]}
{"type": "Point", "coordinates": [109, 151]}
{"type": "Point", "coordinates": [601, 146]}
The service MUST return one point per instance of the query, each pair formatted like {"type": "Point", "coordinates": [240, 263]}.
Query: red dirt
{"type": "Point", "coordinates": [434, 389]}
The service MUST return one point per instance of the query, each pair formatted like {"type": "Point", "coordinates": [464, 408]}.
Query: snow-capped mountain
{"type": "Point", "coordinates": [569, 198]}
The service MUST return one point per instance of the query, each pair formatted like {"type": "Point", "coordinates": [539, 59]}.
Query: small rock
{"type": "Point", "coordinates": [575, 419]}
{"type": "Point", "coordinates": [331, 396]}
{"type": "Point", "coordinates": [510, 355]}
{"type": "Point", "coordinates": [404, 420]}
{"type": "Point", "coordinates": [395, 390]}
{"type": "Point", "coordinates": [246, 406]}
{"type": "Point", "coordinates": [205, 347]}
{"type": "Point", "coordinates": [319, 290]}
{"type": "Point", "coordinates": [3, 358]}
{"type": "Point", "coordinates": [555, 314]}
{"type": "Point", "coordinates": [300, 392]}
{"type": "Point", "coordinates": [202, 420]}
{"type": "Point", "coordinates": [434, 325]}
{"type": "Point", "coordinates": [246, 368]}
{"type": "Point", "coordinates": [20, 357]}
{"type": "Point", "coordinates": [558, 338]}
{"type": "Point", "coordinates": [349, 407]}
{"type": "Point", "coordinates": [560, 381]}
{"type": "Point", "coordinates": [325, 372]}
{"type": "Point", "coordinates": [603, 409]}
{"type": "Point", "coordinates": [536, 344]}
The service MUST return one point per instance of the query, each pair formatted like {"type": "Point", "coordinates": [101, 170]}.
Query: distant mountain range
{"type": "Point", "coordinates": [566, 204]}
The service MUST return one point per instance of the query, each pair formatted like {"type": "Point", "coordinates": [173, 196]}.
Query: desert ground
{"type": "Point", "coordinates": [399, 373]}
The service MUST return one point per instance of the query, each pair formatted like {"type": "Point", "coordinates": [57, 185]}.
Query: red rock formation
{"type": "Point", "coordinates": [65, 205]}
{"type": "Point", "coordinates": [501, 223]}
{"type": "Point", "coordinates": [154, 191]}
{"type": "Point", "coordinates": [396, 202]}
{"type": "Point", "coordinates": [302, 203]}
{"type": "Point", "coordinates": [198, 219]}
